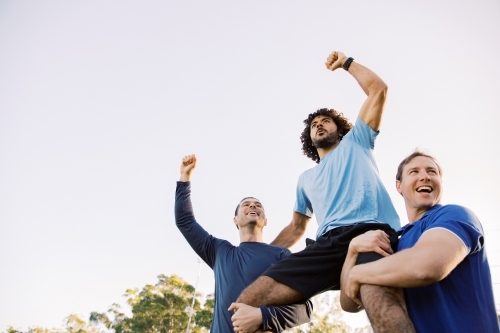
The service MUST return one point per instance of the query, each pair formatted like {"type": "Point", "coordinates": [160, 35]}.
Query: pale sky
{"type": "Point", "coordinates": [99, 101]}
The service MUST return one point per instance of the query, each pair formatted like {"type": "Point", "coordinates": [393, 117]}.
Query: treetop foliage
{"type": "Point", "coordinates": [166, 306]}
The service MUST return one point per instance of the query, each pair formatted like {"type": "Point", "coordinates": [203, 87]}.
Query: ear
{"type": "Point", "coordinates": [265, 222]}
{"type": "Point", "coordinates": [398, 187]}
{"type": "Point", "coordinates": [235, 221]}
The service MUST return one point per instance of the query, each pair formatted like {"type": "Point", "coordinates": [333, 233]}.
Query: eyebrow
{"type": "Point", "coordinates": [321, 119]}
{"type": "Point", "coordinates": [426, 169]}
{"type": "Point", "coordinates": [249, 201]}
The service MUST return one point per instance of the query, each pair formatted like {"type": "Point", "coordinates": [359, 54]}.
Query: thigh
{"type": "Point", "coordinates": [316, 268]}
{"type": "Point", "coordinates": [367, 257]}
{"type": "Point", "coordinates": [386, 309]}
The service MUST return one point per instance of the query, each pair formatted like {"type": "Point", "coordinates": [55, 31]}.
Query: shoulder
{"type": "Point", "coordinates": [453, 212]}
{"type": "Point", "coordinates": [361, 134]}
{"type": "Point", "coordinates": [222, 245]}
{"type": "Point", "coordinates": [459, 220]}
{"type": "Point", "coordinates": [361, 126]}
{"type": "Point", "coordinates": [307, 173]}
{"type": "Point", "coordinates": [283, 251]}
{"type": "Point", "coordinates": [257, 249]}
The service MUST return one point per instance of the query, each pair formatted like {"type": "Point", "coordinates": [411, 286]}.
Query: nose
{"type": "Point", "coordinates": [425, 176]}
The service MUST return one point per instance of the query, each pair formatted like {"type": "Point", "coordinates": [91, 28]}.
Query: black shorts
{"type": "Point", "coordinates": [317, 268]}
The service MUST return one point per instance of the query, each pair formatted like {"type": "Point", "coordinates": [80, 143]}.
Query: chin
{"type": "Point", "coordinates": [426, 205]}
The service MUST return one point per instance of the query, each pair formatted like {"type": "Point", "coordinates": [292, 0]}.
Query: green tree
{"type": "Point", "coordinates": [165, 307]}
{"type": "Point", "coordinates": [75, 324]}
{"type": "Point", "coordinates": [203, 317]}
{"type": "Point", "coordinates": [162, 308]}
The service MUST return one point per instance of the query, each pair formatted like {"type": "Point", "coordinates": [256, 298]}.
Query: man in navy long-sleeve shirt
{"type": "Point", "coordinates": [235, 267]}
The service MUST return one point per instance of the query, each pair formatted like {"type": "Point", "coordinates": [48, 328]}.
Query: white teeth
{"type": "Point", "coordinates": [424, 188]}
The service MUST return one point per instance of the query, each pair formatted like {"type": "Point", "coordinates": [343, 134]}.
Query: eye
{"type": "Point", "coordinates": [313, 125]}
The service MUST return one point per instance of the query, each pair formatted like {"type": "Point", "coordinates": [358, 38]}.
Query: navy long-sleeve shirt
{"type": "Point", "coordinates": [235, 267]}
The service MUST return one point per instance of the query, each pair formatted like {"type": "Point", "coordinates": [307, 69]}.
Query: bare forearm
{"type": "Point", "coordinates": [395, 271]}
{"type": "Point", "coordinates": [376, 90]}
{"type": "Point", "coordinates": [288, 237]}
{"type": "Point", "coordinates": [347, 303]}
{"type": "Point", "coordinates": [292, 232]}
{"type": "Point", "coordinates": [368, 80]}
{"type": "Point", "coordinates": [435, 255]}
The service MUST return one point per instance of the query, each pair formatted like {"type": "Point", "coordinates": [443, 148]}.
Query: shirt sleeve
{"type": "Point", "coordinates": [302, 203]}
{"type": "Point", "coordinates": [463, 223]}
{"type": "Point", "coordinates": [279, 318]}
{"type": "Point", "coordinates": [204, 244]}
{"type": "Point", "coordinates": [362, 134]}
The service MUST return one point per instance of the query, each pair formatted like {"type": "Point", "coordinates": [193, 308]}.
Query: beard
{"type": "Point", "coordinates": [326, 142]}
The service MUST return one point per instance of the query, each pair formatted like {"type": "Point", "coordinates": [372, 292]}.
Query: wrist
{"type": "Point", "coordinates": [185, 178]}
{"type": "Point", "coordinates": [354, 276]}
{"type": "Point", "coordinates": [346, 63]}
{"type": "Point", "coordinates": [351, 250]}
{"type": "Point", "coordinates": [264, 323]}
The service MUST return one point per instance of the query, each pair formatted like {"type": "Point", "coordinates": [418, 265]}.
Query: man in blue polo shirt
{"type": "Point", "coordinates": [441, 260]}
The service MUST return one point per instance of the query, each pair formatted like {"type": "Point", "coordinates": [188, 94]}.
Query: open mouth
{"type": "Point", "coordinates": [424, 189]}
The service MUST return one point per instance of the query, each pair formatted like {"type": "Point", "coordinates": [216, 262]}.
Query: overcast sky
{"type": "Point", "coordinates": [99, 101]}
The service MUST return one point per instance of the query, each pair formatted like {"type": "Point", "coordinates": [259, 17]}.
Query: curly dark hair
{"type": "Point", "coordinates": [343, 127]}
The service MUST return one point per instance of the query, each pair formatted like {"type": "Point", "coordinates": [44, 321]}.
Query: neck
{"type": "Point", "coordinates": [323, 151]}
{"type": "Point", "coordinates": [251, 235]}
{"type": "Point", "coordinates": [415, 214]}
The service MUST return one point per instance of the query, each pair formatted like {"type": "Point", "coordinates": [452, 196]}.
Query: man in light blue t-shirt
{"type": "Point", "coordinates": [346, 194]}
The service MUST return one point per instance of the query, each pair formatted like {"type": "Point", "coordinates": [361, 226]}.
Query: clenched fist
{"type": "Point", "coordinates": [187, 166]}
{"type": "Point", "coordinates": [335, 60]}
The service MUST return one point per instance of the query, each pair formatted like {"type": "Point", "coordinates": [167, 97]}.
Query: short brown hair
{"type": "Point", "coordinates": [238, 207]}
{"type": "Point", "coordinates": [416, 153]}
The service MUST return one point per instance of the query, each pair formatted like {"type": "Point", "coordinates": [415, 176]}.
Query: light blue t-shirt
{"type": "Point", "coordinates": [345, 187]}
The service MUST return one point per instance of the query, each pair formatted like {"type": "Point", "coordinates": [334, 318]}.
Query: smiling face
{"type": "Point", "coordinates": [324, 133]}
{"type": "Point", "coordinates": [420, 186]}
{"type": "Point", "coordinates": [250, 212]}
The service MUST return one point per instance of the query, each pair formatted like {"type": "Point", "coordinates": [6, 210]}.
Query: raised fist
{"type": "Point", "coordinates": [335, 60]}
{"type": "Point", "coordinates": [187, 166]}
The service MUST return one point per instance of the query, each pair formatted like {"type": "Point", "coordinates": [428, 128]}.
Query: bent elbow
{"type": "Point", "coordinates": [348, 305]}
{"type": "Point", "coordinates": [428, 276]}
{"type": "Point", "coordinates": [298, 231]}
{"type": "Point", "coordinates": [382, 89]}
{"type": "Point", "coordinates": [351, 309]}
